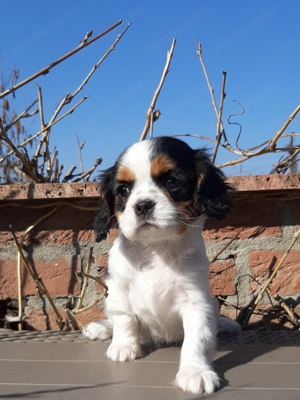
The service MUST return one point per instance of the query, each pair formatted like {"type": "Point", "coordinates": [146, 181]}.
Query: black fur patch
{"type": "Point", "coordinates": [105, 218]}
{"type": "Point", "coordinates": [199, 179]}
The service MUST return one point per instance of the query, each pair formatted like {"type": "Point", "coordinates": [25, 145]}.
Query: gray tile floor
{"type": "Point", "coordinates": [66, 366]}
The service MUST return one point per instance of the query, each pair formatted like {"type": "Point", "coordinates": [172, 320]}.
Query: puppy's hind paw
{"type": "Point", "coordinates": [195, 380]}
{"type": "Point", "coordinates": [98, 330]}
{"type": "Point", "coordinates": [126, 352]}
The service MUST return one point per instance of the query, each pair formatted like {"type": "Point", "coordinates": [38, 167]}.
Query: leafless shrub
{"type": "Point", "coordinates": [16, 163]}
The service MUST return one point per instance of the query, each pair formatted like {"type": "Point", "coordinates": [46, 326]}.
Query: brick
{"type": "Point", "coordinates": [36, 320]}
{"type": "Point", "coordinates": [40, 320]}
{"type": "Point", "coordinates": [113, 234]}
{"type": "Point", "coordinates": [8, 279]}
{"type": "Point", "coordinates": [50, 190]}
{"type": "Point", "coordinates": [102, 260]}
{"type": "Point", "coordinates": [59, 276]}
{"type": "Point", "coordinates": [91, 315]}
{"type": "Point", "coordinates": [262, 264]}
{"type": "Point", "coordinates": [66, 226]}
{"type": "Point", "coordinates": [259, 218]}
{"type": "Point", "coordinates": [229, 311]}
{"type": "Point", "coordinates": [222, 274]}
{"type": "Point", "coordinates": [61, 237]}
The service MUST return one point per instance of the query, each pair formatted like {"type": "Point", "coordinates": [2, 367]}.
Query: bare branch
{"type": "Point", "coordinates": [112, 47]}
{"type": "Point", "coordinates": [80, 147]}
{"type": "Point", "coordinates": [239, 125]}
{"type": "Point", "coordinates": [24, 114]}
{"type": "Point", "coordinates": [47, 69]}
{"type": "Point", "coordinates": [194, 136]}
{"type": "Point", "coordinates": [211, 90]}
{"type": "Point", "coordinates": [149, 115]}
{"type": "Point", "coordinates": [283, 165]}
{"type": "Point", "coordinates": [86, 174]}
{"type": "Point", "coordinates": [85, 281]}
{"type": "Point", "coordinates": [27, 166]}
{"type": "Point", "coordinates": [41, 110]}
{"type": "Point", "coordinates": [272, 144]}
{"type": "Point", "coordinates": [47, 127]}
{"type": "Point", "coordinates": [38, 281]}
{"type": "Point", "coordinates": [87, 36]}
{"type": "Point", "coordinates": [45, 139]}
{"type": "Point", "coordinates": [69, 175]}
{"type": "Point", "coordinates": [219, 124]}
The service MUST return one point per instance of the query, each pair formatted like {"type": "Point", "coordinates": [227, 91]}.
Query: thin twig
{"type": "Point", "coordinates": [112, 47]}
{"type": "Point", "coordinates": [70, 111]}
{"type": "Point", "coordinates": [80, 146]}
{"type": "Point", "coordinates": [38, 282]}
{"type": "Point", "coordinates": [291, 315]}
{"type": "Point", "coordinates": [20, 309]}
{"type": "Point", "coordinates": [82, 274]}
{"type": "Point", "coordinates": [194, 136]}
{"type": "Point", "coordinates": [274, 273]}
{"type": "Point", "coordinates": [219, 123]}
{"type": "Point", "coordinates": [212, 260]}
{"type": "Point", "coordinates": [150, 111]}
{"type": "Point", "coordinates": [103, 295]}
{"type": "Point", "coordinates": [87, 173]}
{"type": "Point", "coordinates": [272, 144]}
{"type": "Point", "coordinates": [24, 114]}
{"type": "Point", "coordinates": [47, 69]}
{"type": "Point", "coordinates": [72, 320]}
{"type": "Point", "coordinates": [28, 168]}
{"type": "Point", "coordinates": [69, 175]}
{"type": "Point", "coordinates": [265, 286]}
{"type": "Point", "coordinates": [93, 303]}
{"type": "Point", "coordinates": [271, 147]}
{"type": "Point", "coordinates": [211, 90]}
{"type": "Point", "coordinates": [41, 110]}
{"type": "Point", "coordinates": [85, 281]}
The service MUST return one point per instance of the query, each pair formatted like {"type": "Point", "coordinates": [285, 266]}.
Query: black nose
{"type": "Point", "coordinates": [143, 207]}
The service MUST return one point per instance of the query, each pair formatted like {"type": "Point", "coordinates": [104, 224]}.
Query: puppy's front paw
{"type": "Point", "coordinates": [197, 380]}
{"type": "Point", "coordinates": [98, 330]}
{"type": "Point", "coordinates": [127, 352]}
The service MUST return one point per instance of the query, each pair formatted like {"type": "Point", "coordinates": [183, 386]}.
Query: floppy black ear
{"type": "Point", "coordinates": [212, 195]}
{"type": "Point", "coordinates": [105, 218]}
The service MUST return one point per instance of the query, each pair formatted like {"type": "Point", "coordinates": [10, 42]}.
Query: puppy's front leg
{"type": "Point", "coordinates": [125, 344]}
{"type": "Point", "coordinates": [195, 372]}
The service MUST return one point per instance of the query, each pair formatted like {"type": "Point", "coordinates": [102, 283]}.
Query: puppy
{"type": "Point", "coordinates": [160, 192]}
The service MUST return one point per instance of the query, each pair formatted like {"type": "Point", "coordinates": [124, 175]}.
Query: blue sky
{"type": "Point", "coordinates": [256, 42]}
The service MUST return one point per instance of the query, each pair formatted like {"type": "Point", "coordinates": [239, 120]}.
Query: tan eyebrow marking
{"type": "Point", "coordinates": [125, 174]}
{"type": "Point", "coordinates": [161, 164]}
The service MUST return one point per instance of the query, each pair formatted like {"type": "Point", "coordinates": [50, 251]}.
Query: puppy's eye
{"type": "Point", "coordinates": [172, 184]}
{"type": "Point", "coordinates": [123, 191]}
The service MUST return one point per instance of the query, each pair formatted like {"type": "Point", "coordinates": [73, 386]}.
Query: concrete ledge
{"type": "Point", "coordinates": [49, 191]}
{"type": "Point", "coordinates": [265, 184]}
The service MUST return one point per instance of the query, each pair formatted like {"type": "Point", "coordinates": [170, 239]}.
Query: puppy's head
{"type": "Point", "coordinates": [159, 187]}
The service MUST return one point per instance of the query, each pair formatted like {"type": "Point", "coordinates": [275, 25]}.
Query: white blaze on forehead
{"type": "Point", "coordinates": [137, 164]}
{"type": "Point", "coordinates": [137, 159]}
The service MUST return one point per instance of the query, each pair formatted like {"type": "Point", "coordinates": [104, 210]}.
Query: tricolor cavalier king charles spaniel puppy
{"type": "Point", "coordinates": [160, 192]}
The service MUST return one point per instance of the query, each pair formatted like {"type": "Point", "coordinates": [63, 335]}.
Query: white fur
{"type": "Point", "coordinates": [159, 284]}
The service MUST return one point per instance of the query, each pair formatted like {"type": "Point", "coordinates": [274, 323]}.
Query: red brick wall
{"type": "Point", "coordinates": [267, 210]}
